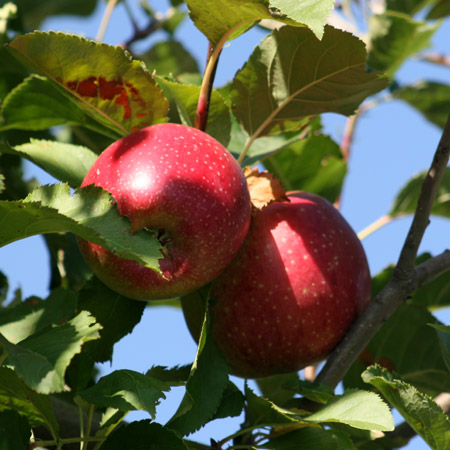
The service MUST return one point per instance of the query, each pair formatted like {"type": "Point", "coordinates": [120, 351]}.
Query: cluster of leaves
{"type": "Point", "coordinates": [65, 98]}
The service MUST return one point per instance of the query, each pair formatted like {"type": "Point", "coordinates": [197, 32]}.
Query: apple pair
{"type": "Point", "coordinates": [281, 299]}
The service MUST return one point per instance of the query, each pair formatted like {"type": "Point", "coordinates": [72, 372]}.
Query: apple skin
{"type": "Point", "coordinates": [180, 181]}
{"type": "Point", "coordinates": [293, 290]}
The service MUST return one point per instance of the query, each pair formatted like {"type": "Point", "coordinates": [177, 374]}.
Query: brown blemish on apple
{"type": "Point", "coordinates": [122, 93]}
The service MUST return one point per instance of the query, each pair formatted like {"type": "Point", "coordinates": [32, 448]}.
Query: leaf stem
{"type": "Point", "coordinates": [64, 441]}
{"type": "Point", "coordinates": [379, 223]}
{"type": "Point", "coordinates": [406, 277]}
{"type": "Point", "coordinates": [201, 115]}
{"type": "Point", "coordinates": [88, 425]}
{"type": "Point", "coordinates": [105, 20]}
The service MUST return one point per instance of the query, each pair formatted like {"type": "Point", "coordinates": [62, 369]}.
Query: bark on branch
{"type": "Point", "coordinates": [406, 277]}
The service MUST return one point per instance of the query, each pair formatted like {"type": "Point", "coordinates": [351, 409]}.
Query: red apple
{"type": "Point", "coordinates": [294, 288]}
{"type": "Point", "coordinates": [186, 186]}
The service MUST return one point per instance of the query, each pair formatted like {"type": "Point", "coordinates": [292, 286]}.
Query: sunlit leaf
{"type": "Point", "coordinates": [421, 412]}
{"type": "Point", "coordinates": [34, 315]}
{"type": "Point", "coordinates": [38, 104]}
{"type": "Point", "coordinates": [106, 82]}
{"type": "Point", "coordinates": [360, 409]}
{"type": "Point", "coordinates": [88, 213]}
{"type": "Point", "coordinates": [127, 390]}
{"type": "Point", "coordinates": [42, 358]}
{"type": "Point", "coordinates": [292, 75]}
{"type": "Point", "coordinates": [184, 99]}
{"type": "Point", "coordinates": [66, 162]}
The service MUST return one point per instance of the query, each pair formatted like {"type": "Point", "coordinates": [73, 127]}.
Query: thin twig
{"type": "Point", "coordinates": [106, 18]}
{"type": "Point", "coordinates": [436, 58]}
{"type": "Point", "coordinates": [405, 280]}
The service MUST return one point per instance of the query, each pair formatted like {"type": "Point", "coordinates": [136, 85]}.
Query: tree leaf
{"type": "Point", "coordinates": [410, 7]}
{"type": "Point", "coordinates": [279, 388]}
{"type": "Point", "coordinates": [292, 75]}
{"type": "Point", "coordinates": [15, 395]}
{"type": "Point", "coordinates": [33, 14]}
{"type": "Point", "coordinates": [34, 315]}
{"type": "Point", "coordinates": [184, 98]}
{"type": "Point", "coordinates": [205, 386]}
{"type": "Point", "coordinates": [143, 435]}
{"type": "Point", "coordinates": [115, 90]}
{"type": "Point", "coordinates": [127, 390]}
{"type": "Point", "coordinates": [262, 411]}
{"type": "Point", "coordinates": [37, 104]}
{"type": "Point", "coordinates": [232, 403]}
{"type": "Point", "coordinates": [359, 409]}
{"type": "Point", "coordinates": [406, 200]}
{"type": "Point", "coordinates": [443, 332]}
{"type": "Point", "coordinates": [408, 345]}
{"type": "Point", "coordinates": [310, 438]}
{"type": "Point", "coordinates": [42, 358]}
{"type": "Point", "coordinates": [418, 409]}
{"type": "Point", "coordinates": [89, 213]}
{"type": "Point", "coordinates": [314, 13]}
{"type": "Point", "coordinates": [15, 431]}
{"type": "Point", "coordinates": [440, 10]}
{"type": "Point", "coordinates": [430, 98]}
{"type": "Point", "coordinates": [314, 165]}
{"type": "Point", "coordinates": [175, 376]}
{"type": "Point", "coordinates": [66, 162]}
{"type": "Point", "coordinates": [117, 315]}
{"type": "Point", "coordinates": [395, 37]}
{"type": "Point", "coordinates": [170, 58]}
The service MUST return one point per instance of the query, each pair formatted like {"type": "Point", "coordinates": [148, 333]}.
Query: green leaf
{"type": "Point", "coordinates": [33, 13]}
{"type": "Point", "coordinates": [408, 345]}
{"type": "Point", "coordinates": [359, 409]}
{"type": "Point", "coordinates": [311, 439]}
{"type": "Point", "coordinates": [430, 98]}
{"type": "Point", "coordinates": [313, 13]}
{"type": "Point", "coordinates": [314, 165]}
{"type": "Point", "coordinates": [15, 431]}
{"type": "Point", "coordinates": [143, 435]}
{"type": "Point", "coordinates": [2, 183]}
{"type": "Point", "coordinates": [37, 104]}
{"type": "Point", "coordinates": [184, 99]}
{"type": "Point", "coordinates": [34, 315]}
{"type": "Point", "coordinates": [232, 403]}
{"type": "Point", "coordinates": [410, 7]}
{"type": "Point", "coordinates": [262, 411]}
{"type": "Point", "coordinates": [279, 388]}
{"type": "Point", "coordinates": [406, 200]}
{"type": "Point", "coordinates": [262, 147]}
{"type": "Point", "coordinates": [41, 359]}
{"type": "Point", "coordinates": [205, 386]}
{"type": "Point", "coordinates": [313, 391]}
{"type": "Point", "coordinates": [277, 91]}
{"type": "Point", "coordinates": [117, 315]}
{"type": "Point", "coordinates": [170, 58]}
{"type": "Point", "coordinates": [175, 376]}
{"type": "Point", "coordinates": [15, 395]}
{"type": "Point", "coordinates": [127, 390]}
{"type": "Point", "coordinates": [394, 38]}
{"type": "Point", "coordinates": [66, 162]}
{"type": "Point", "coordinates": [440, 10]}
{"type": "Point", "coordinates": [443, 332]}
{"type": "Point", "coordinates": [419, 410]}
{"type": "Point", "coordinates": [89, 213]}
{"type": "Point", "coordinates": [115, 90]}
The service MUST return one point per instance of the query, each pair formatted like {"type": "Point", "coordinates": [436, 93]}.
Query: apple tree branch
{"type": "Point", "coordinates": [406, 278]}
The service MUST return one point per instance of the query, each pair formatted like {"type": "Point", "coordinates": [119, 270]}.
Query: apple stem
{"type": "Point", "coordinates": [105, 20]}
{"type": "Point", "coordinates": [201, 115]}
{"type": "Point", "coordinates": [406, 278]}
{"type": "Point", "coordinates": [379, 223]}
